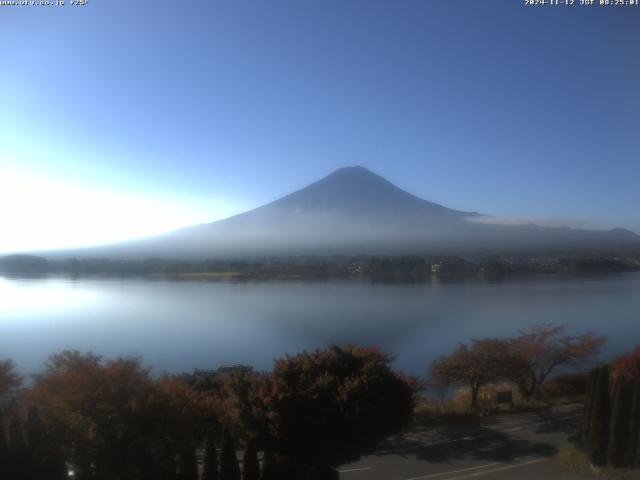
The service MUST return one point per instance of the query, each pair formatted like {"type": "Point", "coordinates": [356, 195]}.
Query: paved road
{"type": "Point", "coordinates": [507, 446]}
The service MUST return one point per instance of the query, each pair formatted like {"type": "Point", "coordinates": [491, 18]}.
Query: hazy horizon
{"type": "Point", "coordinates": [130, 120]}
{"type": "Point", "coordinates": [314, 228]}
{"type": "Point", "coordinates": [319, 239]}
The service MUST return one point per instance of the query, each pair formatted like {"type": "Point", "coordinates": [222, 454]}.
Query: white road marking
{"type": "Point", "coordinates": [360, 469]}
{"type": "Point", "coordinates": [467, 438]}
{"type": "Point", "coordinates": [478, 474]}
{"type": "Point", "coordinates": [434, 475]}
{"type": "Point", "coordinates": [501, 469]}
{"type": "Point", "coordinates": [513, 429]}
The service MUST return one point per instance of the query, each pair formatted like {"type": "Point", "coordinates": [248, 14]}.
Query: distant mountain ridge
{"type": "Point", "coordinates": [354, 210]}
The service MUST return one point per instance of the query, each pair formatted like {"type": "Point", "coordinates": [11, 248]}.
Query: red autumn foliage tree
{"type": "Point", "coordinates": [544, 349]}
{"type": "Point", "coordinates": [330, 406]}
{"type": "Point", "coordinates": [628, 365]}
{"type": "Point", "coordinates": [102, 414]}
{"type": "Point", "coordinates": [10, 381]}
{"type": "Point", "coordinates": [482, 362]}
{"type": "Point", "coordinates": [241, 407]}
{"type": "Point", "coordinates": [186, 416]}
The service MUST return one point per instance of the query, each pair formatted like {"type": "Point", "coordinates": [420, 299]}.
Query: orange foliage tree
{"type": "Point", "coordinates": [482, 362]}
{"type": "Point", "coordinates": [184, 415]}
{"type": "Point", "coordinates": [544, 349]}
{"type": "Point", "coordinates": [628, 365]}
{"type": "Point", "coordinates": [111, 419]}
{"type": "Point", "coordinates": [330, 406]}
{"type": "Point", "coordinates": [10, 381]}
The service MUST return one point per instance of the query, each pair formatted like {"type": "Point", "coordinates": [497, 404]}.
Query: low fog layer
{"type": "Point", "coordinates": [356, 211]}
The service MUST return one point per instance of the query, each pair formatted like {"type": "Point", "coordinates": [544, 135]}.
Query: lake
{"type": "Point", "coordinates": [182, 325]}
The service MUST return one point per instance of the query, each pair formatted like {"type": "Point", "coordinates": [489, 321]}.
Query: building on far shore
{"type": "Point", "coordinates": [452, 266]}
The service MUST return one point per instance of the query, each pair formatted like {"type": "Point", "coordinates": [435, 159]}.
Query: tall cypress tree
{"type": "Point", "coordinates": [210, 468]}
{"type": "Point", "coordinates": [618, 428]}
{"type": "Point", "coordinates": [46, 459]}
{"type": "Point", "coordinates": [19, 451]}
{"type": "Point", "coordinates": [250, 466]}
{"type": "Point", "coordinates": [269, 467]}
{"type": "Point", "coordinates": [165, 461]}
{"type": "Point", "coordinates": [16, 434]}
{"type": "Point", "coordinates": [187, 464]}
{"type": "Point", "coordinates": [599, 425]}
{"type": "Point", "coordinates": [229, 468]}
{"type": "Point", "coordinates": [585, 424]}
{"type": "Point", "coordinates": [633, 448]}
{"type": "Point", "coordinates": [143, 463]}
{"type": "Point", "coordinates": [6, 460]}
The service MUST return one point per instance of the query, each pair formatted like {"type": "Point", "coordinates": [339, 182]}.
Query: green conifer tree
{"type": "Point", "coordinates": [46, 459]}
{"type": "Point", "coordinates": [269, 467]}
{"type": "Point", "coordinates": [229, 468]}
{"type": "Point", "coordinates": [210, 468]}
{"type": "Point", "coordinates": [7, 463]}
{"type": "Point", "coordinates": [633, 448]}
{"type": "Point", "coordinates": [165, 461]}
{"type": "Point", "coordinates": [618, 428]}
{"type": "Point", "coordinates": [187, 464]}
{"type": "Point", "coordinates": [250, 466]}
{"type": "Point", "coordinates": [599, 425]}
{"type": "Point", "coordinates": [585, 423]}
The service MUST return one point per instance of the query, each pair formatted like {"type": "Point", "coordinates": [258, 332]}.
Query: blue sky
{"type": "Point", "coordinates": [121, 119]}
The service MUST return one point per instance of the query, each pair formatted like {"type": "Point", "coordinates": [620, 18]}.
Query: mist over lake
{"type": "Point", "coordinates": [181, 325]}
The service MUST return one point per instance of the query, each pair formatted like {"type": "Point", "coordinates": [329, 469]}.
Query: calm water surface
{"type": "Point", "coordinates": [181, 325]}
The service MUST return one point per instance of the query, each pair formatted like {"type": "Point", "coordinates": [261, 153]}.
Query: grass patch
{"type": "Point", "coordinates": [438, 412]}
{"type": "Point", "coordinates": [196, 275]}
{"type": "Point", "coordinates": [577, 461]}
{"type": "Point", "coordinates": [456, 406]}
{"type": "Point", "coordinates": [449, 410]}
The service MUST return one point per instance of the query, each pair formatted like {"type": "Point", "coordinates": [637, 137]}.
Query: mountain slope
{"type": "Point", "coordinates": [348, 198]}
{"type": "Point", "coordinates": [351, 210]}
{"type": "Point", "coordinates": [357, 190]}
{"type": "Point", "coordinates": [356, 211]}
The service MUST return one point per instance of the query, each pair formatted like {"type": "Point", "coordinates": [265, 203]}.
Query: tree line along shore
{"type": "Point", "coordinates": [416, 267]}
{"type": "Point", "coordinates": [112, 419]}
